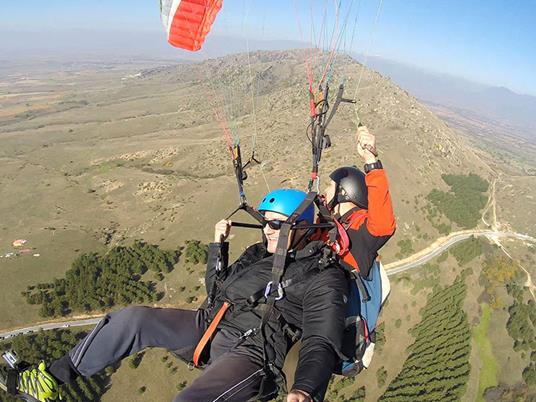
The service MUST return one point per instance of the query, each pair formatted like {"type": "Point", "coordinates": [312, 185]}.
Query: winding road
{"type": "Point", "coordinates": [443, 243]}
{"type": "Point", "coordinates": [51, 325]}
{"type": "Point", "coordinates": [395, 268]}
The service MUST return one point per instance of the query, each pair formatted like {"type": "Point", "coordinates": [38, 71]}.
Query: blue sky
{"type": "Point", "coordinates": [490, 41]}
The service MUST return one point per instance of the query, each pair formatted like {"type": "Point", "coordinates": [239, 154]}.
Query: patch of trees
{"type": "Point", "coordinates": [135, 360]}
{"type": "Point", "coordinates": [380, 337]}
{"type": "Point", "coordinates": [381, 376]}
{"type": "Point", "coordinates": [196, 252]}
{"type": "Point", "coordinates": [467, 250]}
{"type": "Point", "coordinates": [406, 248]}
{"type": "Point", "coordinates": [503, 392]}
{"type": "Point", "coordinates": [521, 327]}
{"type": "Point", "coordinates": [437, 367]}
{"type": "Point", "coordinates": [497, 271]}
{"type": "Point", "coordinates": [52, 345]}
{"type": "Point", "coordinates": [463, 202]}
{"type": "Point", "coordinates": [338, 392]}
{"type": "Point", "coordinates": [529, 374]}
{"type": "Point", "coordinates": [100, 281]}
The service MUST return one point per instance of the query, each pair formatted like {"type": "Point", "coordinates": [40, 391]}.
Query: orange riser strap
{"type": "Point", "coordinates": [208, 333]}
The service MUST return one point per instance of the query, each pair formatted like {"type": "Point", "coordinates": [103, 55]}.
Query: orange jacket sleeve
{"type": "Point", "coordinates": [381, 219]}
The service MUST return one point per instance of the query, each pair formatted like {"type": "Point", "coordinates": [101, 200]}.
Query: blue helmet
{"type": "Point", "coordinates": [285, 201]}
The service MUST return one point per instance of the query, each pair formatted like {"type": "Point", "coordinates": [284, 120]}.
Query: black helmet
{"type": "Point", "coordinates": [352, 180]}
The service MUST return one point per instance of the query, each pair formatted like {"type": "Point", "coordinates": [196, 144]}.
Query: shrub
{"type": "Point", "coordinates": [196, 252]}
{"type": "Point", "coordinates": [381, 376]}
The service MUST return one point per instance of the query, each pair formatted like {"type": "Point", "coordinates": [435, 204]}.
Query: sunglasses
{"type": "Point", "coordinates": [274, 224]}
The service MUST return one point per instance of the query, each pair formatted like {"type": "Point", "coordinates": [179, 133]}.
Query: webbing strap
{"type": "Point", "coordinates": [278, 269]}
{"type": "Point", "coordinates": [11, 381]}
{"type": "Point", "coordinates": [254, 213]}
{"type": "Point", "coordinates": [209, 332]}
{"type": "Point", "coordinates": [343, 241]}
{"type": "Point", "coordinates": [280, 255]}
{"type": "Point", "coordinates": [250, 210]}
{"type": "Point", "coordinates": [258, 296]}
{"type": "Point", "coordinates": [325, 215]}
{"type": "Point", "coordinates": [358, 279]}
{"type": "Point", "coordinates": [335, 106]}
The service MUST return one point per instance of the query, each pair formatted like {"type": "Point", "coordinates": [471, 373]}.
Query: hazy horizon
{"type": "Point", "coordinates": [489, 42]}
{"type": "Point", "coordinates": [62, 44]}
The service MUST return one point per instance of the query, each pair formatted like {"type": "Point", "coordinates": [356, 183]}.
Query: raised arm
{"type": "Point", "coordinates": [381, 219]}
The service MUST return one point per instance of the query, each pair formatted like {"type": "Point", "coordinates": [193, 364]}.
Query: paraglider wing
{"type": "Point", "coordinates": [188, 22]}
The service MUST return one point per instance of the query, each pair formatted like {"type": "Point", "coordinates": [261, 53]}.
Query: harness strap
{"type": "Point", "coordinates": [220, 263]}
{"type": "Point", "coordinates": [11, 381]}
{"type": "Point", "coordinates": [342, 241]}
{"type": "Point", "coordinates": [323, 211]}
{"type": "Point", "coordinates": [254, 213]}
{"type": "Point", "coordinates": [209, 332]}
{"type": "Point", "coordinates": [293, 333]}
{"type": "Point", "coordinates": [280, 255]}
{"type": "Point", "coordinates": [244, 206]}
{"type": "Point", "coordinates": [278, 269]}
{"type": "Point", "coordinates": [358, 279]}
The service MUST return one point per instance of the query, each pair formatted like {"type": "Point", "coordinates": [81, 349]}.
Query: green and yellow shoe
{"type": "Point", "coordinates": [33, 384]}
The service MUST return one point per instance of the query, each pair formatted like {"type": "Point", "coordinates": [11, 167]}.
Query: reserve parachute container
{"type": "Point", "coordinates": [187, 22]}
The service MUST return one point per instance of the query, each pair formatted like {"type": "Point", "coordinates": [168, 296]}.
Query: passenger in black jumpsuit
{"type": "Point", "coordinates": [314, 304]}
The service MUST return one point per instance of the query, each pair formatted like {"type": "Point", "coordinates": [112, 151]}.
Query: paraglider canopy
{"type": "Point", "coordinates": [187, 22]}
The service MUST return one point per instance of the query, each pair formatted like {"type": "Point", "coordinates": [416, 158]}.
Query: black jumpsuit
{"type": "Point", "coordinates": [314, 304]}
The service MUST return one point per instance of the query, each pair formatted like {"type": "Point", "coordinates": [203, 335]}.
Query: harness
{"type": "Point", "coordinates": [332, 240]}
{"type": "Point", "coordinates": [352, 220]}
{"type": "Point", "coordinates": [264, 300]}
{"type": "Point", "coordinates": [320, 119]}
{"type": "Point", "coordinates": [278, 269]}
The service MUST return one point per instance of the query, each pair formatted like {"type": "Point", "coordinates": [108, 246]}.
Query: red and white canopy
{"type": "Point", "coordinates": [188, 22]}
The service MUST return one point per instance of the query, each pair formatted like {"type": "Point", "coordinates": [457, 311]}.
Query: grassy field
{"type": "Point", "coordinates": [162, 382]}
{"type": "Point", "coordinates": [56, 249]}
{"type": "Point", "coordinates": [489, 367]}
{"type": "Point", "coordinates": [516, 203]}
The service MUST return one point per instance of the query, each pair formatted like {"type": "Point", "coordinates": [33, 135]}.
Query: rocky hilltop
{"type": "Point", "coordinates": [266, 93]}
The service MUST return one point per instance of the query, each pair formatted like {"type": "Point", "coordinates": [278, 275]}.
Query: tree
{"type": "Point", "coordinates": [381, 376]}
{"type": "Point", "coordinates": [529, 375]}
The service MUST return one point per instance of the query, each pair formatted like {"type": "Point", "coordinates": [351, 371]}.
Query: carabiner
{"type": "Point", "coordinates": [268, 289]}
